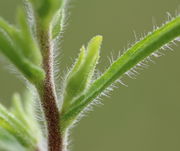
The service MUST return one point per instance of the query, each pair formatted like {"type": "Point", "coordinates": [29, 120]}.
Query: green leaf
{"type": "Point", "coordinates": [23, 39]}
{"type": "Point", "coordinates": [45, 9]}
{"type": "Point", "coordinates": [57, 23]}
{"type": "Point", "coordinates": [128, 60]}
{"type": "Point", "coordinates": [26, 40]}
{"type": "Point", "coordinates": [9, 143]}
{"type": "Point", "coordinates": [79, 62]}
{"type": "Point", "coordinates": [12, 45]}
{"type": "Point", "coordinates": [23, 109]}
{"type": "Point", "coordinates": [81, 74]}
{"type": "Point", "coordinates": [17, 108]}
{"type": "Point", "coordinates": [16, 129]}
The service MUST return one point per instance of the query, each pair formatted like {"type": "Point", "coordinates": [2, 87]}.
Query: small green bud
{"type": "Point", "coordinates": [46, 9]}
{"type": "Point", "coordinates": [57, 24]}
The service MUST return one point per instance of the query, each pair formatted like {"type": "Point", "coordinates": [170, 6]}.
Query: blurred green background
{"type": "Point", "coordinates": [143, 117]}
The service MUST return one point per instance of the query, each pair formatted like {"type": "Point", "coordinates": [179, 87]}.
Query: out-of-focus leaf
{"type": "Point", "coordinates": [23, 109]}
{"type": "Point", "coordinates": [17, 108]}
{"type": "Point", "coordinates": [16, 129]}
{"type": "Point", "coordinates": [9, 143]}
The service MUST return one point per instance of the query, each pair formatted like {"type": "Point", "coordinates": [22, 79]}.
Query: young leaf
{"type": "Point", "coordinates": [9, 143]}
{"type": "Point", "coordinates": [16, 129]}
{"type": "Point", "coordinates": [81, 74]}
{"type": "Point", "coordinates": [45, 9]}
{"type": "Point", "coordinates": [17, 108]}
{"type": "Point", "coordinates": [128, 60]}
{"type": "Point", "coordinates": [26, 40]}
{"type": "Point", "coordinates": [23, 39]}
{"type": "Point", "coordinates": [12, 46]}
{"type": "Point", "coordinates": [23, 110]}
{"type": "Point", "coordinates": [57, 24]}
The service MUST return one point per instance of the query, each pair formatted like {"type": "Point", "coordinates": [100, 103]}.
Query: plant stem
{"type": "Point", "coordinates": [48, 94]}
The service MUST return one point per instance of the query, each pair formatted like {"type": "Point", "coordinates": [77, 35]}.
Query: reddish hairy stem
{"type": "Point", "coordinates": [48, 95]}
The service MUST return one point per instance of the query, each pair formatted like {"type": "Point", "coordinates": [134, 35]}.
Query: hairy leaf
{"type": "Point", "coordinates": [26, 40]}
{"type": "Point", "coordinates": [13, 46]}
{"type": "Point", "coordinates": [128, 60]}
{"type": "Point", "coordinates": [57, 23]}
{"type": "Point", "coordinates": [81, 74]}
